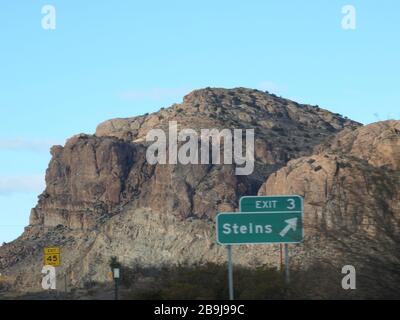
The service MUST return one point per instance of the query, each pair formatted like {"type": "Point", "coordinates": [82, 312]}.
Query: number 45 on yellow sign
{"type": "Point", "coordinates": [52, 257]}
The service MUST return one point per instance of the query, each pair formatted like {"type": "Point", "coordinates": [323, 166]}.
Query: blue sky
{"type": "Point", "coordinates": [120, 58]}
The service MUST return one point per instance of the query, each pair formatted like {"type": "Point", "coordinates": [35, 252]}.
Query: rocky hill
{"type": "Point", "coordinates": [351, 187]}
{"type": "Point", "coordinates": [104, 199]}
{"type": "Point", "coordinates": [95, 176]}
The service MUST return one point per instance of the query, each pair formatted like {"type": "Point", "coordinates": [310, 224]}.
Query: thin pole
{"type": "Point", "coordinates": [230, 272]}
{"type": "Point", "coordinates": [280, 257]}
{"type": "Point", "coordinates": [65, 281]}
{"type": "Point", "coordinates": [116, 289]}
{"type": "Point", "coordinates": [287, 263]}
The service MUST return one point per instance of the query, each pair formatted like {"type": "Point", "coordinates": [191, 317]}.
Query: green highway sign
{"type": "Point", "coordinates": [264, 219]}
{"type": "Point", "coordinates": [265, 204]}
{"type": "Point", "coordinates": [255, 228]}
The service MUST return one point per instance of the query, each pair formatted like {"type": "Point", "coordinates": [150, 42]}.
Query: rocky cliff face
{"type": "Point", "coordinates": [93, 177]}
{"type": "Point", "coordinates": [339, 190]}
{"type": "Point", "coordinates": [103, 198]}
{"type": "Point", "coordinates": [87, 180]}
{"type": "Point", "coordinates": [378, 144]}
{"type": "Point", "coordinates": [348, 178]}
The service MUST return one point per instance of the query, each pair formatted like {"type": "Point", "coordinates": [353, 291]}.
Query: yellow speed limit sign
{"type": "Point", "coordinates": [52, 257]}
{"type": "Point", "coordinates": [110, 275]}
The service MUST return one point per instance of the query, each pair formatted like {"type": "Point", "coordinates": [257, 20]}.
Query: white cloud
{"type": "Point", "coordinates": [22, 184]}
{"type": "Point", "coordinates": [153, 93]}
{"type": "Point", "coordinates": [27, 145]}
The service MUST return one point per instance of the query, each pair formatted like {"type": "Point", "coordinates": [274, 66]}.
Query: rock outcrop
{"type": "Point", "coordinates": [93, 177]}
{"type": "Point", "coordinates": [86, 180]}
{"type": "Point", "coordinates": [348, 178]}
{"type": "Point", "coordinates": [338, 190]}
{"type": "Point", "coordinates": [378, 144]}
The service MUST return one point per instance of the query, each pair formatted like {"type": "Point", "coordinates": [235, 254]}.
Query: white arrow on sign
{"type": "Point", "coordinates": [291, 224]}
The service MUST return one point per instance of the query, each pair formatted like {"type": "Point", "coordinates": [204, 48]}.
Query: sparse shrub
{"type": "Point", "coordinates": [4, 286]}
{"type": "Point", "coordinates": [129, 276]}
{"type": "Point", "coordinates": [317, 168]}
{"type": "Point", "coordinates": [260, 284]}
{"type": "Point", "coordinates": [209, 281]}
{"type": "Point", "coordinates": [90, 284]}
{"type": "Point", "coordinates": [145, 294]}
{"type": "Point", "coordinates": [91, 292]}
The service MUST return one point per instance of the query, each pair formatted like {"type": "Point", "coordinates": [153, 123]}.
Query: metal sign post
{"type": "Point", "coordinates": [65, 282]}
{"type": "Point", "coordinates": [287, 276]}
{"type": "Point", "coordinates": [230, 272]}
